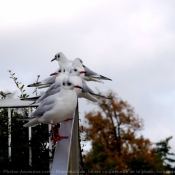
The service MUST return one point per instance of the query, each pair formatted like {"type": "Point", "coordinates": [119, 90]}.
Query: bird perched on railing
{"type": "Point", "coordinates": [56, 108]}
{"type": "Point", "coordinates": [67, 64]}
{"type": "Point", "coordinates": [75, 75]}
{"type": "Point", "coordinates": [50, 80]}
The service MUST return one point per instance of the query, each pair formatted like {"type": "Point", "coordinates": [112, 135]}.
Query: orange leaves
{"type": "Point", "coordinates": [115, 145]}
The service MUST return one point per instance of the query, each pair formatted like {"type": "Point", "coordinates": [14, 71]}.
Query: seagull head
{"type": "Point", "coordinates": [78, 61]}
{"type": "Point", "coordinates": [75, 71]}
{"type": "Point", "coordinates": [59, 72]}
{"type": "Point", "coordinates": [59, 56]}
{"type": "Point", "coordinates": [69, 85]}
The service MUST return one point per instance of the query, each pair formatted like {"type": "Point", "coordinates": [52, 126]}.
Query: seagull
{"type": "Point", "coordinates": [43, 83]}
{"type": "Point", "coordinates": [67, 64]}
{"type": "Point", "coordinates": [56, 108]}
{"type": "Point", "coordinates": [59, 76]}
{"type": "Point", "coordinates": [75, 75]}
{"type": "Point", "coordinates": [54, 88]}
{"type": "Point", "coordinates": [62, 60]}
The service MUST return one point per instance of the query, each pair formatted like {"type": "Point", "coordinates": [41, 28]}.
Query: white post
{"type": "Point", "coordinates": [30, 137]}
{"type": "Point", "coordinates": [50, 147]}
{"type": "Point", "coordinates": [9, 133]}
{"type": "Point", "coordinates": [66, 157]}
{"type": "Point", "coordinates": [74, 152]}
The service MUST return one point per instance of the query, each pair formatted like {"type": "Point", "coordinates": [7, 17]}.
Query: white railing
{"type": "Point", "coordinates": [9, 130]}
{"type": "Point", "coordinates": [66, 156]}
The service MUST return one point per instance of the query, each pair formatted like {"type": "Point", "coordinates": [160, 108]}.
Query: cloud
{"type": "Point", "coordinates": [131, 42]}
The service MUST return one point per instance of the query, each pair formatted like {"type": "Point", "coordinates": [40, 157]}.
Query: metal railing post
{"type": "Point", "coordinates": [50, 147]}
{"type": "Point", "coordinates": [9, 133]}
{"type": "Point", "coordinates": [30, 137]}
{"type": "Point", "coordinates": [74, 152]}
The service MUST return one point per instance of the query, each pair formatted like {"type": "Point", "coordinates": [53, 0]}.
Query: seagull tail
{"type": "Point", "coordinates": [39, 85]}
{"type": "Point", "coordinates": [34, 84]}
{"type": "Point", "coordinates": [32, 123]}
{"type": "Point", "coordinates": [104, 78]}
{"type": "Point", "coordinates": [90, 97]}
{"type": "Point", "coordinates": [101, 96]}
{"type": "Point", "coordinates": [96, 79]}
{"type": "Point", "coordinates": [30, 99]}
{"type": "Point", "coordinates": [43, 86]}
{"type": "Point", "coordinates": [25, 119]}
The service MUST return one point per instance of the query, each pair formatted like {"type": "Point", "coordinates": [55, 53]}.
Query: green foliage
{"type": "Point", "coordinates": [20, 143]}
{"type": "Point", "coordinates": [98, 158]}
{"type": "Point", "coordinates": [3, 136]}
{"type": "Point", "coordinates": [163, 150]}
{"type": "Point", "coordinates": [19, 86]}
{"type": "Point", "coordinates": [35, 91]}
{"type": "Point", "coordinates": [3, 95]}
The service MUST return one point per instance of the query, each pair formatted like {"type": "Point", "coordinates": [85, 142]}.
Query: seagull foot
{"type": "Point", "coordinates": [68, 119]}
{"type": "Point", "coordinates": [59, 138]}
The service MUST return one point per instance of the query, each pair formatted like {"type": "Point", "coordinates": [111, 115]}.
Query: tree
{"type": "Point", "coordinates": [163, 150]}
{"type": "Point", "coordinates": [116, 144]}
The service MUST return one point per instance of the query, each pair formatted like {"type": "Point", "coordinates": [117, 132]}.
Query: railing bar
{"type": "Point", "coordinates": [30, 137]}
{"type": "Point", "coordinates": [9, 133]}
{"type": "Point", "coordinates": [50, 147]}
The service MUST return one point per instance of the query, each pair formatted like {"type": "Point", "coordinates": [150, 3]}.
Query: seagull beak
{"type": "Point", "coordinates": [55, 73]}
{"type": "Point", "coordinates": [78, 87]}
{"type": "Point", "coordinates": [83, 65]}
{"type": "Point", "coordinates": [82, 72]}
{"type": "Point", "coordinates": [53, 59]}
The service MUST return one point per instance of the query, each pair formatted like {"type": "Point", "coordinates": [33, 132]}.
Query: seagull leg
{"type": "Point", "coordinates": [53, 135]}
{"type": "Point", "coordinates": [58, 136]}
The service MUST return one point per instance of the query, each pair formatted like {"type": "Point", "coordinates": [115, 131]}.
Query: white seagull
{"type": "Point", "coordinates": [75, 76]}
{"type": "Point", "coordinates": [67, 64]}
{"type": "Point", "coordinates": [59, 76]}
{"type": "Point", "coordinates": [56, 108]}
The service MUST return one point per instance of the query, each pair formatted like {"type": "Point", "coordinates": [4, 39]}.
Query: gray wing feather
{"type": "Point", "coordinates": [46, 105]}
{"type": "Point", "coordinates": [86, 88]}
{"type": "Point", "coordinates": [53, 89]}
{"type": "Point", "coordinates": [49, 80]}
{"type": "Point", "coordinates": [94, 74]}
{"type": "Point", "coordinates": [89, 72]}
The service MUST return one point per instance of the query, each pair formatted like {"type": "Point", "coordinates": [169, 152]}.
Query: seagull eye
{"type": "Point", "coordinates": [58, 56]}
{"type": "Point", "coordinates": [69, 84]}
{"type": "Point", "coordinates": [63, 84]}
{"type": "Point", "coordinates": [64, 70]}
{"type": "Point", "coordinates": [75, 70]}
{"type": "Point", "coordinates": [59, 70]}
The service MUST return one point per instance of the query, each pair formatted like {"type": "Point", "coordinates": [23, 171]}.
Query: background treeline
{"type": "Point", "coordinates": [114, 131]}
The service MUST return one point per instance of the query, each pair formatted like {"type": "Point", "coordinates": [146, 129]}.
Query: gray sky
{"type": "Point", "coordinates": [131, 42]}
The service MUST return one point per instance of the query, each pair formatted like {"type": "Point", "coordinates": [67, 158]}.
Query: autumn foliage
{"type": "Point", "coordinates": [116, 141]}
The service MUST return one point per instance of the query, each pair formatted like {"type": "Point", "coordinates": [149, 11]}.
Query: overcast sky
{"type": "Point", "coordinates": [131, 42]}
